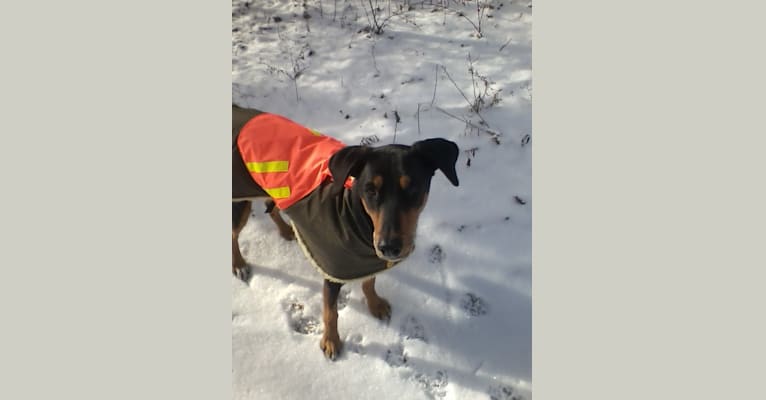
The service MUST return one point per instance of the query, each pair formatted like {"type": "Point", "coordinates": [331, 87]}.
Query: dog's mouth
{"type": "Point", "coordinates": [390, 257]}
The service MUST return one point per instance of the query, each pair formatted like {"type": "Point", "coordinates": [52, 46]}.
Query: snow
{"type": "Point", "coordinates": [462, 313]}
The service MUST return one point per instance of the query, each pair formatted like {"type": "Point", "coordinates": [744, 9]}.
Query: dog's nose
{"type": "Point", "coordinates": [390, 248]}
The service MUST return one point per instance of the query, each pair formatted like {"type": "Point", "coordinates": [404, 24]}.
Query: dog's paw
{"type": "Point", "coordinates": [241, 271]}
{"type": "Point", "coordinates": [331, 346]}
{"type": "Point", "coordinates": [380, 309]}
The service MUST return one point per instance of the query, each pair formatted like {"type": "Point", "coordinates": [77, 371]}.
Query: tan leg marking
{"type": "Point", "coordinates": [285, 230]}
{"type": "Point", "coordinates": [379, 307]}
{"type": "Point", "coordinates": [238, 265]}
{"type": "Point", "coordinates": [330, 342]}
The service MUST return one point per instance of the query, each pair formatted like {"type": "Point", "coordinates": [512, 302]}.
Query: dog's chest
{"type": "Point", "coordinates": [335, 239]}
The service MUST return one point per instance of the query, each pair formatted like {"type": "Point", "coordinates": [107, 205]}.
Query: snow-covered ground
{"type": "Point", "coordinates": [461, 326]}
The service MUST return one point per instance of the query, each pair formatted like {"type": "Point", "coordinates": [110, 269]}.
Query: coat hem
{"type": "Point", "coordinates": [327, 276]}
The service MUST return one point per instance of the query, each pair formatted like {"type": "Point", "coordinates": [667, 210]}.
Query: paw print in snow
{"type": "Point", "coordinates": [343, 297]}
{"type": "Point", "coordinates": [299, 323]}
{"type": "Point", "coordinates": [473, 305]}
{"type": "Point", "coordinates": [395, 356]}
{"type": "Point", "coordinates": [437, 255]}
{"type": "Point", "coordinates": [434, 386]}
{"type": "Point", "coordinates": [413, 329]}
{"type": "Point", "coordinates": [503, 392]}
{"type": "Point", "coordinates": [354, 344]}
{"type": "Point", "coordinates": [306, 325]}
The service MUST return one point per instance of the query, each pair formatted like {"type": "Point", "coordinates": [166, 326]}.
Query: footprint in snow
{"type": "Point", "coordinates": [503, 392]}
{"type": "Point", "coordinates": [343, 297]}
{"type": "Point", "coordinates": [473, 305]}
{"type": "Point", "coordinates": [413, 329]}
{"type": "Point", "coordinates": [437, 255]}
{"type": "Point", "coordinates": [354, 344]}
{"type": "Point", "coordinates": [434, 386]}
{"type": "Point", "coordinates": [306, 325]}
{"type": "Point", "coordinates": [395, 356]}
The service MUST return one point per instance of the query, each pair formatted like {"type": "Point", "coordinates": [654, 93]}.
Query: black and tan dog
{"type": "Point", "coordinates": [356, 216]}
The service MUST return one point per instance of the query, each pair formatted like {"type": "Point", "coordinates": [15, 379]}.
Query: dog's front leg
{"type": "Point", "coordinates": [379, 307]}
{"type": "Point", "coordinates": [240, 212]}
{"type": "Point", "coordinates": [285, 230]}
{"type": "Point", "coordinates": [330, 342]}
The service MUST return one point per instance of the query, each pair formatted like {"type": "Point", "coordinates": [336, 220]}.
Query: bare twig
{"type": "Point", "coordinates": [456, 86]}
{"type": "Point", "coordinates": [374, 62]}
{"type": "Point", "coordinates": [464, 96]}
{"type": "Point", "coordinates": [296, 69]}
{"type": "Point", "coordinates": [436, 80]}
{"type": "Point", "coordinates": [505, 44]}
{"type": "Point", "coordinates": [377, 23]}
{"type": "Point", "coordinates": [377, 27]}
{"type": "Point", "coordinates": [493, 133]}
{"type": "Point", "coordinates": [433, 98]}
{"type": "Point", "coordinates": [480, 14]}
{"type": "Point", "coordinates": [487, 96]}
{"type": "Point", "coordinates": [396, 123]}
{"type": "Point", "coordinates": [418, 119]}
{"type": "Point", "coordinates": [475, 104]}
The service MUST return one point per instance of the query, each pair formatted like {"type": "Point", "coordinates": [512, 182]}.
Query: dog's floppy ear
{"type": "Point", "coordinates": [440, 154]}
{"type": "Point", "coordinates": [348, 161]}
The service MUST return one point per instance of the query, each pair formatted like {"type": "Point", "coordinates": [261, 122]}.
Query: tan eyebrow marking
{"type": "Point", "coordinates": [377, 180]}
{"type": "Point", "coordinates": [404, 181]}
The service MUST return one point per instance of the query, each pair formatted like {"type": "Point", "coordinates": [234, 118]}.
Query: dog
{"type": "Point", "coordinates": [353, 209]}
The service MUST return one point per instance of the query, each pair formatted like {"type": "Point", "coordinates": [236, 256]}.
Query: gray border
{"type": "Point", "coordinates": [648, 188]}
{"type": "Point", "coordinates": [115, 269]}
{"type": "Point", "coordinates": [647, 220]}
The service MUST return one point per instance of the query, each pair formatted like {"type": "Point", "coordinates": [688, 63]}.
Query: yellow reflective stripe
{"type": "Point", "coordinates": [267, 166]}
{"type": "Point", "coordinates": [282, 192]}
{"type": "Point", "coordinates": [316, 133]}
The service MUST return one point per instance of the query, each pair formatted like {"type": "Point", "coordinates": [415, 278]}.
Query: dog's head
{"type": "Point", "coordinates": [393, 182]}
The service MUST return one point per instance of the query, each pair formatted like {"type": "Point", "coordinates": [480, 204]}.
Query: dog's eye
{"type": "Point", "coordinates": [370, 190]}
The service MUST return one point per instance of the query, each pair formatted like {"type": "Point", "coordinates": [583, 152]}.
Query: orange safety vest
{"type": "Point", "coordinates": [287, 160]}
